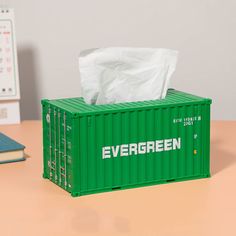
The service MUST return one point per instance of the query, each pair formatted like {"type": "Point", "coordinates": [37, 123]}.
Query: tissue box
{"type": "Point", "coordinates": [97, 148]}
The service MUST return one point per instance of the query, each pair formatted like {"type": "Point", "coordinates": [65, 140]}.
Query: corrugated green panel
{"type": "Point", "coordinates": [116, 139]}
{"type": "Point", "coordinates": [158, 162]}
{"type": "Point", "coordinates": [150, 132]}
{"type": "Point", "coordinates": [207, 139]}
{"type": "Point", "coordinates": [125, 162]}
{"type": "Point", "coordinates": [174, 155]}
{"type": "Point", "coordinates": [133, 134]}
{"type": "Point", "coordinates": [75, 135]}
{"type": "Point", "coordinates": [141, 135]}
{"type": "Point", "coordinates": [108, 166]}
{"type": "Point", "coordinates": [76, 159]}
{"type": "Point", "coordinates": [100, 137]}
{"type": "Point", "coordinates": [83, 149]}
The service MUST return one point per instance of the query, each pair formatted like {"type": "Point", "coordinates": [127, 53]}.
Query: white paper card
{"type": "Point", "coordinates": [9, 112]}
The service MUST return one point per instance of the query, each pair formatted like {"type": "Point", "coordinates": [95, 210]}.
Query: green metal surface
{"type": "Point", "coordinates": [88, 148]}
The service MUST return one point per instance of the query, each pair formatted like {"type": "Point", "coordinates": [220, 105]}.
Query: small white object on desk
{"type": "Point", "coordinates": [9, 112]}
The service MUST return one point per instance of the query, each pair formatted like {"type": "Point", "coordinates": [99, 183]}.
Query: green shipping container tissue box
{"type": "Point", "coordinates": [97, 148]}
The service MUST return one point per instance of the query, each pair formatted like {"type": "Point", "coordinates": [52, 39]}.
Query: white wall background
{"type": "Point", "coordinates": [50, 34]}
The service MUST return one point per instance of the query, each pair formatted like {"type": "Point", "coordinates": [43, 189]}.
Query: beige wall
{"type": "Point", "coordinates": [51, 33]}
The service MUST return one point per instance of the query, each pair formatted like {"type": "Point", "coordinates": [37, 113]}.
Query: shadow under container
{"type": "Point", "coordinates": [97, 148]}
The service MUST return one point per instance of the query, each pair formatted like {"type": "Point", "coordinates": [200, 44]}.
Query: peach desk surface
{"type": "Point", "coordinates": [31, 205]}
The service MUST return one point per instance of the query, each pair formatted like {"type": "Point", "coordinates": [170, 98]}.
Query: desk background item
{"type": "Point", "coordinates": [9, 112]}
{"type": "Point", "coordinates": [9, 77]}
{"type": "Point", "coordinates": [10, 150]}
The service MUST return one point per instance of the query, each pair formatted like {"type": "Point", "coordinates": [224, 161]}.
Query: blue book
{"type": "Point", "coordinates": [10, 150]}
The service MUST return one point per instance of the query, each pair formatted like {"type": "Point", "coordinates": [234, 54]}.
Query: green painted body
{"type": "Point", "coordinates": [74, 134]}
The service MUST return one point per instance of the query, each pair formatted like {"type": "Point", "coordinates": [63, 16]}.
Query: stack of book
{"type": "Point", "coordinates": [10, 150]}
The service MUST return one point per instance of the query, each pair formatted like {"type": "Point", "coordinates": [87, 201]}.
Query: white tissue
{"type": "Point", "coordinates": [114, 75]}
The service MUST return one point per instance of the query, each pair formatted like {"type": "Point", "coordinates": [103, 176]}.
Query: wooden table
{"type": "Point", "coordinates": [31, 205]}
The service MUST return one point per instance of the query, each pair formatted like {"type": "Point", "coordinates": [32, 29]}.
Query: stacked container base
{"type": "Point", "coordinates": [97, 148]}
